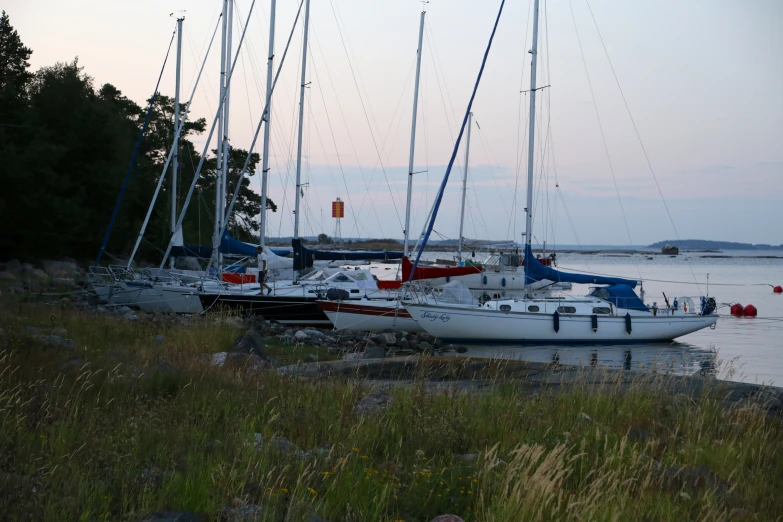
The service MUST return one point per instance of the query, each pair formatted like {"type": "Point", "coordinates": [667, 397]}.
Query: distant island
{"type": "Point", "coordinates": [703, 244]}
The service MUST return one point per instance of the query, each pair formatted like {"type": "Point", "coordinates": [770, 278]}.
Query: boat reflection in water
{"type": "Point", "coordinates": [671, 357]}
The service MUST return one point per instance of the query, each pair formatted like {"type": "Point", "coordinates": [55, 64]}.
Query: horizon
{"type": "Point", "coordinates": [716, 154]}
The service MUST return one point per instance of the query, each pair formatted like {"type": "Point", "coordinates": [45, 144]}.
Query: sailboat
{"type": "Point", "coordinates": [610, 313]}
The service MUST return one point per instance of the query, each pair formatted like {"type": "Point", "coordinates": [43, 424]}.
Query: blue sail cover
{"type": "Point", "coordinates": [535, 271]}
{"type": "Point", "coordinates": [228, 246]}
{"type": "Point", "coordinates": [303, 257]}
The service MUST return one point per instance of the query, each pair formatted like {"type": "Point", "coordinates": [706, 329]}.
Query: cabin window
{"type": "Point", "coordinates": [505, 308]}
{"type": "Point", "coordinates": [566, 309]}
{"type": "Point", "coordinates": [342, 279]}
{"type": "Point", "coordinates": [356, 291]}
{"type": "Point", "coordinates": [533, 308]}
{"type": "Point", "coordinates": [601, 310]}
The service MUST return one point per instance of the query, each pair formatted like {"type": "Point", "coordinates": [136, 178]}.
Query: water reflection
{"type": "Point", "coordinates": [672, 357]}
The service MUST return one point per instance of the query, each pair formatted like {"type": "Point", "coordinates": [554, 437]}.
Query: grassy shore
{"type": "Point", "coordinates": [125, 423]}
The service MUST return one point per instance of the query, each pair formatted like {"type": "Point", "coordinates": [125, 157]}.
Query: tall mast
{"type": "Point", "coordinates": [267, 116]}
{"type": "Point", "coordinates": [175, 162]}
{"type": "Point", "coordinates": [530, 151]}
{"type": "Point", "coordinates": [464, 187]}
{"type": "Point", "coordinates": [226, 143]}
{"type": "Point", "coordinates": [219, 159]}
{"type": "Point", "coordinates": [413, 137]}
{"type": "Point", "coordinates": [301, 121]}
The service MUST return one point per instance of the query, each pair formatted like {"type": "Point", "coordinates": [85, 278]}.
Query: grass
{"type": "Point", "coordinates": [117, 435]}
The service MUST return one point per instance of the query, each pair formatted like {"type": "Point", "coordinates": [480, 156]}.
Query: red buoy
{"type": "Point", "coordinates": [750, 311]}
{"type": "Point", "coordinates": [736, 310]}
{"type": "Point", "coordinates": [778, 289]}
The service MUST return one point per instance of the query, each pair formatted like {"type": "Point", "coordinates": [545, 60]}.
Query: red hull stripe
{"type": "Point", "coordinates": [348, 308]}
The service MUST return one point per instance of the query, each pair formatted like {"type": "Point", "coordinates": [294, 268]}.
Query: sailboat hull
{"type": "Point", "coordinates": [302, 311]}
{"type": "Point", "coordinates": [369, 316]}
{"type": "Point", "coordinates": [476, 325]}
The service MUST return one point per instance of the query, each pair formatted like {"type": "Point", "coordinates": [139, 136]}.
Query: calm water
{"type": "Point", "coordinates": [744, 349]}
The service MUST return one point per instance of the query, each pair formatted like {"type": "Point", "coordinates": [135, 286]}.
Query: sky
{"type": "Point", "coordinates": [661, 119]}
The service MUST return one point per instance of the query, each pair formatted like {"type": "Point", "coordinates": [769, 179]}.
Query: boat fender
{"type": "Point", "coordinates": [337, 294]}
{"type": "Point", "coordinates": [594, 321]}
{"type": "Point", "coordinates": [778, 289]}
{"type": "Point", "coordinates": [503, 282]}
{"type": "Point", "coordinates": [485, 279]}
{"type": "Point", "coordinates": [556, 321]}
{"type": "Point", "coordinates": [448, 279]}
{"type": "Point", "coordinates": [749, 311]}
{"type": "Point", "coordinates": [737, 309]}
{"type": "Point", "coordinates": [628, 323]}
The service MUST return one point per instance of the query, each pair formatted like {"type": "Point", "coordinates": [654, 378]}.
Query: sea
{"type": "Point", "coordinates": [746, 349]}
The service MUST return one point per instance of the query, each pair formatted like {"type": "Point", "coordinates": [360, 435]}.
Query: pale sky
{"type": "Point", "coordinates": [703, 80]}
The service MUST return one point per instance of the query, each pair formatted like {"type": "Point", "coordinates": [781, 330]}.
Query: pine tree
{"type": "Point", "coordinates": [14, 76]}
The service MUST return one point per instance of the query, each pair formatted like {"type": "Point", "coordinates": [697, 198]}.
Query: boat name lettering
{"type": "Point", "coordinates": [434, 317]}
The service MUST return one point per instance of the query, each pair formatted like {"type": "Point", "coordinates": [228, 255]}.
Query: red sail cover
{"type": "Point", "coordinates": [434, 272]}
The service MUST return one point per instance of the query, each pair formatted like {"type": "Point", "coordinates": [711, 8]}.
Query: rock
{"type": "Point", "coordinates": [72, 364]}
{"type": "Point", "coordinates": [58, 331]}
{"type": "Point", "coordinates": [56, 340]}
{"type": "Point", "coordinates": [13, 266]}
{"type": "Point", "coordinates": [462, 349]}
{"type": "Point", "coordinates": [638, 434]}
{"type": "Point", "coordinates": [279, 445]}
{"type": "Point", "coordinates": [16, 290]}
{"type": "Point", "coordinates": [123, 310]}
{"type": "Point", "coordinates": [289, 332]}
{"type": "Point", "coordinates": [36, 273]}
{"type": "Point", "coordinates": [7, 276]}
{"type": "Point", "coordinates": [387, 339]}
{"type": "Point", "coordinates": [447, 348]}
{"type": "Point", "coordinates": [130, 316]}
{"type": "Point", "coordinates": [159, 338]}
{"type": "Point", "coordinates": [424, 337]}
{"type": "Point", "coordinates": [374, 352]}
{"type": "Point", "coordinates": [250, 342]}
{"type": "Point", "coordinates": [374, 402]}
{"type": "Point", "coordinates": [165, 367]}
{"type": "Point", "coordinates": [312, 357]}
{"type": "Point", "coordinates": [693, 480]}
{"type": "Point", "coordinates": [63, 282]}
{"type": "Point", "coordinates": [171, 516]}
{"type": "Point", "coordinates": [234, 322]}
{"type": "Point", "coordinates": [425, 347]}
{"type": "Point", "coordinates": [301, 336]}
{"type": "Point", "coordinates": [62, 269]}
{"type": "Point", "coordinates": [246, 513]}
{"type": "Point", "coordinates": [467, 457]}
{"type": "Point", "coordinates": [32, 330]}
{"type": "Point", "coordinates": [312, 332]}
{"type": "Point", "coordinates": [352, 356]}
{"type": "Point", "coordinates": [236, 360]}
{"type": "Point", "coordinates": [447, 518]}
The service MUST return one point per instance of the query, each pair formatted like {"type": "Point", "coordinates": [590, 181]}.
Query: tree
{"type": "Point", "coordinates": [323, 239]}
{"type": "Point", "coordinates": [14, 76]}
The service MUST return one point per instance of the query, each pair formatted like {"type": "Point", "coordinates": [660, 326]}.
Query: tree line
{"type": "Point", "coordinates": [65, 147]}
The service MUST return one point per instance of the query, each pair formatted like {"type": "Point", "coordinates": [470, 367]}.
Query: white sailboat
{"type": "Point", "coordinates": [611, 313]}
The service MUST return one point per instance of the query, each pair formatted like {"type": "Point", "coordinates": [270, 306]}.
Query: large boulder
{"type": "Point", "coordinates": [171, 516]}
{"type": "Point", "coordinates": [250, 342]}
{"type": "Point", "coordinates": [386, 339]}
{"type": "Point", "coordinates": [7, 276]}
{"type": "Point", "coordinates": [374, 352]}
{"type": "Point", "coordinates": [13, 266]}
{"type": "Point", "coordinates": [62, 269]}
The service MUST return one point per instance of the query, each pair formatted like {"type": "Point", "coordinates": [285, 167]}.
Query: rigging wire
{"type": "Point", "coordinates": [366, 115]}
{"type": "Point", "coordinates": [636, 130]}
{"type": "Point", "coordinates": [601, 129]}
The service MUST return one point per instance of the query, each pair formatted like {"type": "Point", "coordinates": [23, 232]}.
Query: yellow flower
{"type": "Point", "coordinates": [364, 457]}
{"type": "Point", "coordinates": [325, 473]}
{"type": "Point", "coordinates": [283, 490]}
{"type": "Point", "coordinates": [356, 450]}
{"type": "Point", "coordinates": [312, 491]}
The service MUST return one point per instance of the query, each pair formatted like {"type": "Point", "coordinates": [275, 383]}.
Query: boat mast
{"type": "Point", "coordinates": [530, 152]}
{"type": "Point", "coordinates": [301, 121]}
{"type": "Point", "coordinates": [175, 162]}
{"type": "Point", "coordinates": [464, 188]}
{"type": "Point", "coordinates": [226, 150]}
{"type": "Point", "coordinates": [267, 117]}
{"type": "Point", "coordinates": [219, 158]}
{"type": "Point", "coordinates": [413, 137]}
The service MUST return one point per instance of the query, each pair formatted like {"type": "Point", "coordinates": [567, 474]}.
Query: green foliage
{"type": "Point", "coordinates": [118, 434]}
{"type": "Point", "coordinates": [65, 147]}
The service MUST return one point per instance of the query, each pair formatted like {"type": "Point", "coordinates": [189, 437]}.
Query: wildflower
{"type": "Point", "coordinates": [312, 491]}
{"type": "Point", "coordinates": [364, 457]}
{"type": "Point", "coordinates": [470, 492]}
{"type": "Point", "coordinates": [356, 450]}
{"type": "Point", "coordinates": [283, 490]}
{"type": "Point", "coordinates": [325, 473]}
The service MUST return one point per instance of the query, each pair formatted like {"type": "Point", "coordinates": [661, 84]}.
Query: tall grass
{"type": "Point", "coordinates": [116, 435]}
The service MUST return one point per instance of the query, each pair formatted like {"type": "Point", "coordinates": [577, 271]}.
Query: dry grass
{"type": "Point", "coordinates": [119, 435]}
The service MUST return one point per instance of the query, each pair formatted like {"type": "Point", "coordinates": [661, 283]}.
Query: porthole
{"type": "Point", "coordinates": [505, 308]}
{"type": "Point", "coordinates": [566, 309]}
{"type": "Point", "coordinates": [533, 308]}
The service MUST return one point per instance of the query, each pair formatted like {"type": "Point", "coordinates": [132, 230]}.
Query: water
{"type": "Point", "coordinates": [742, 349]}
